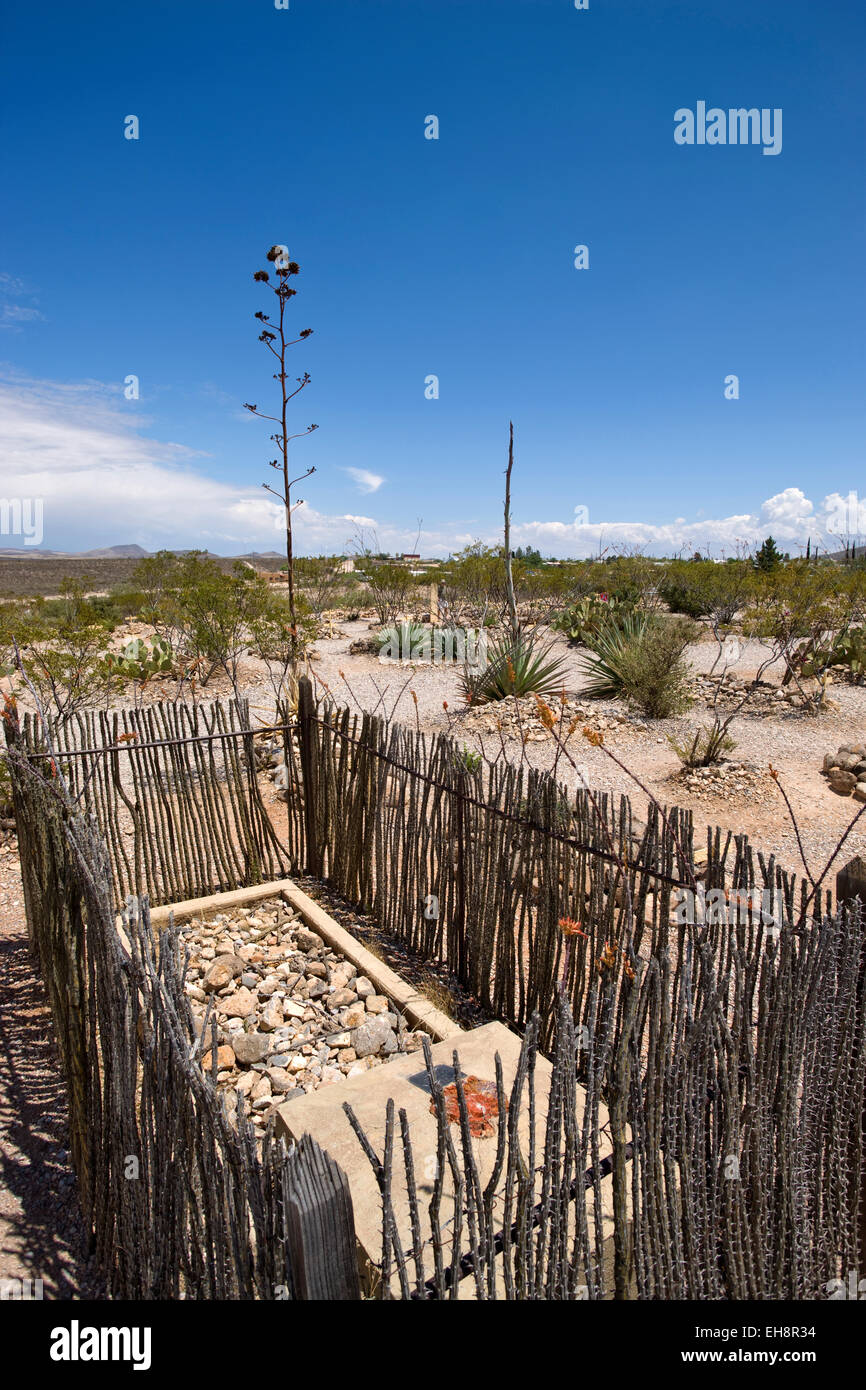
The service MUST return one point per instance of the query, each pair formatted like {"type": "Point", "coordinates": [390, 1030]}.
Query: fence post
{"type": "Point", "coordinates": [320, 1227]}
{"type": "Point", "coordinates": [459, 966]}
{"type": "Point", "coordinates": [851, 882]}
{"type": "Point", "coordinates": [307, 746]}
{"type": "Point", "coordinates": [850, 885]}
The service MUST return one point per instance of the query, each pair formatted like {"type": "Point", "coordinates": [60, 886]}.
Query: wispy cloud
{"type": "Point", "coordinates": [12, 312]}
{"type": "Point", "coordinates": [101, 478]}
{"type": "Point", "coordinates": [365, 480]}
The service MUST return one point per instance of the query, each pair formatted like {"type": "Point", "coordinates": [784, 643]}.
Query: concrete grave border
{"type": "Point", "coordinates": [417, 1009]}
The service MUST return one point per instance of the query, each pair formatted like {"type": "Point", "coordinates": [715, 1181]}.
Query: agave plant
{"type": "Point", "coordinates": [405, 641]}
{"type": "Point", "coordinates": [521, 666]}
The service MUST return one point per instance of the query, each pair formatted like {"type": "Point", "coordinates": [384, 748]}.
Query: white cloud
{"type": "Point", "coordinates": [104, 482]}
{"type": "Point", "coordinates": [789, 515]}
{"type": "Point", "coordinates": [366, 481]}
{"type": "Point", "coordinates": [789, 508]}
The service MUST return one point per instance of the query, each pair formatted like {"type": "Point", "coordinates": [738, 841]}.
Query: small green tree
{"type": "Point", "coordinates": [62, 653]}
{"type": "Point", "coordinates": [318, 579]}
{"type": "Point", "coordinates": [768, 557]}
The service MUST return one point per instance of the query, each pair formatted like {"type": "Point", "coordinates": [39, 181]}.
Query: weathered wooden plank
{"type": "Point", "coordinates": [320, 1227]}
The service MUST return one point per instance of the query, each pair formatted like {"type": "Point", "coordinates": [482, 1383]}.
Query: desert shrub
{"type": "Point", "coordinates": [107, 609]}
{"type": "Point", "coordinates": [703, 589]}
{"type": "Point", "coordinates": [631, 579]}
{"type": "Point", "coordinates": [207, 617]}
{"type": "Point", "coordinates": [271, 641]}
{"type": "Point", "coordinates": [474, 582]}
{"type": "Point", "coordinates": [642, 661]}
{"type": "Point", "coordinates": [319, 579]}
{"type": "Point", "coordinates": [706, 747]}
{"type": "Point", "coordinates": [467, 761]}
{"type": "Point", "coordinates": [802, 612]}
{"type": "Point", "coordinates": [848, 650]}
{"type": "Point", "coordinates": [62, 651]}
{"type": "Point", "coordinates": [390, 586]}
{"type": "Point", "coordinates": [686, 589]}
{"type": "Point", "coordinates": [525, 666]}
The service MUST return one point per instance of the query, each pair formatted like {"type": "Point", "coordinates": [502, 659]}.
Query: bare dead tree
{"type": "Point", "coordinates": [509, 579]}
{"type": "Point", "coordinates": [273, 335]}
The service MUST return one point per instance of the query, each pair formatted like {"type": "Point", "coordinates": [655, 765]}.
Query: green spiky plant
{"type": "Point", "coordinates": [521, 665]}
{"type": "Point", "coordinates": [411, 640]}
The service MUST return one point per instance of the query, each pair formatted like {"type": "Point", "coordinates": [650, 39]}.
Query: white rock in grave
{"type": "Point", "coordinates": [246, 1081]}
{"type": "Point", "coordinates": [271, 1016]}
{"type": "Point", "coordinates": [240, 1005]}
{"type": "Point", "coordinates": [373, 1037]}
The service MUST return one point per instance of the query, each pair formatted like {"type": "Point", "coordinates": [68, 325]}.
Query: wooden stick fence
{"type": "Point", "coordinates": [175, 792]}
{"type": "Point", "coordinates": [477, 867]}
{"type": "Point", "coordinates": [731, 1060]}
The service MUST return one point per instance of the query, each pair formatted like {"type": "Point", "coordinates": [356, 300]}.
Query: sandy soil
{"type": "Point", "coordinates": [793, 742]}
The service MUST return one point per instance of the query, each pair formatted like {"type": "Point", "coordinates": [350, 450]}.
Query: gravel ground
{"type": "Point", "coordinates": [42, 1231]}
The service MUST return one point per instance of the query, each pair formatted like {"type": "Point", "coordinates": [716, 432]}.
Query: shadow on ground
{"type": "Point", "coordinates": [42, 1231]}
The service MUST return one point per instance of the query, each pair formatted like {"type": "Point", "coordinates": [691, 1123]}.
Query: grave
{"type": "Point", "coordinates": [405, 1080]}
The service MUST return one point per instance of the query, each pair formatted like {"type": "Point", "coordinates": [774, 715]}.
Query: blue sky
{"type": "Point", "coordinates": [451, 257]}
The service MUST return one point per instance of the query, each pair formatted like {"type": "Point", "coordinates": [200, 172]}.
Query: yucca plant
{"type": "Point", "coordinates": [611, 645]}
{"type": "Point", "coordinates": [522, 665]}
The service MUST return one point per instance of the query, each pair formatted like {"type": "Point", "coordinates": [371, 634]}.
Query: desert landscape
{"type": "Point", "coordinates": [432, 674]}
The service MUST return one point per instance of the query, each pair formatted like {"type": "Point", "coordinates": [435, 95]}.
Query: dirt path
{"type": "Point", "coordinates": [42, 1233]}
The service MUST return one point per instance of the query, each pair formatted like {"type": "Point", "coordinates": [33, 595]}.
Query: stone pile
{"type": "Point", "coordinates": [271, 760]}
{"type": "Point", "coordinates": [518, 718]}
{"type": "Point", "coordinates": [764, 701]}
{"type": "Point", "coordinates": [845, 770]}
{"type": "Point", "coordinates": [365, 646]}
{"type": "Point", "coordinates": [292, 1015]}
{"type": "Point", "coordinates": [727, 780]}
